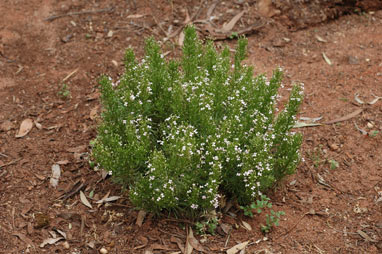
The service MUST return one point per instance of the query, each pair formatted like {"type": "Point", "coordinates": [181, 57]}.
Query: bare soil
{"type": "Point", "coordinates": [329, 208]}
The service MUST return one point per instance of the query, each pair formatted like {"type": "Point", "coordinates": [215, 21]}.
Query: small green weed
{"type": "Point", "coordinates": [258, 206]}
{"type": "Point", "coordinates": [333, 164]}
{"type": "Point", "coordinates": [64, 92]}
{"type": "Point", "coordinates": [373, 134]}
{"type": "Point", "coordinates": [316, 156]}
{"type": "Point", "coordinates": [234, 35]}
{"type": "Point", "coordinates": [272, 219]}
{"type": "Point", "coordinates": [207, 226]}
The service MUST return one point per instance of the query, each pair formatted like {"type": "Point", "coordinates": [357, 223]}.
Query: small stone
{"type": "Point", "coordinates": [334, 147]}
{"type": "Point", "coordinates": [370, 125]}
{"type": "Point", "coordinates": [115, 63]}
{"type": "Point", "coordinates": [103, 251]}
{"type": "Point", "coordinates": [353, 60]}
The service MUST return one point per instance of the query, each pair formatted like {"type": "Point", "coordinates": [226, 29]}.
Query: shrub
{"type": "Point", "coordinates": [181, 133]}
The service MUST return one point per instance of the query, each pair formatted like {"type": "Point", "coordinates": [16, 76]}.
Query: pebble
{"type": "Point", "coordinates": [103, 250]}
{"type": "Point", "coordinates": [334, 147]}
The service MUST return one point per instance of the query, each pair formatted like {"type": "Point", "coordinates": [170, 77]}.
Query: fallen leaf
{"type": "Point", "coordinates": [188, 247]}
{"type": "Point", "coordinates": [226, 228]}
{"type": "Point", "coordinates": [238, 247]}
{"type": "Point", "coordinates": [62, 233]}
{"type": "Point", "coordinates": [347, 117]}
{"type": "Point", "coordinates": [25, 127]}
{"type": "Point", "coordinates": [84, 200]}
{"type": "Point", "coordinates": [56, 173]}
{"type": "Point", "coordinates": [365, 236]}
{"type": "Point", "coordinates": [246, 225]}
{"type": "Point", "coordinates": [140, 217]}
{"type": "Point", "coordinates": [38, 125]}
{"type": "Point", "coordinates": [211, 9]}
{"type": "Point", "coordinates": [299, 124]}
{"type": "Point", "coordinates": [144, 242]}
{"type": "Point", "coordinates": [311, 119]}
{"type": "Point", "coordinates": [374, 101]}
{"type": "Point", "coordinates": [228, 27]}
{"type": "Point", "coordinates": [327, 60]}
{"type": "Point", "coordinates": [320, 39]}
{"type": "Point", "coordinates": [63, 162]}
{"type": "Point", "coordinates": [363, 132]}
{"type": "Point", "coordinates": [109, 199]}
{"type": "Point", "coordinates": [102, 199]}
{"type": "Point", "coordinates": [50, 241]}
{"type": "Point", "coordinates": [135, 16]}
{"type": "Point", "coordinates": [357, 99]}
{"type": "Point", "coordinates": [91, 244]}
{"type": "Point", "coordinates": [194, 242]}
{"type": "Point", "coordinates": [178, 242]}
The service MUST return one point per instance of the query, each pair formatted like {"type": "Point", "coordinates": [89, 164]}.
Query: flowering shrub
{"type": "Point", "coordinates": [182, 133]}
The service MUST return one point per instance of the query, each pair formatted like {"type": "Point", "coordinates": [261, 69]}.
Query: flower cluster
{"type": "Point", "coordinates": [182, 133]}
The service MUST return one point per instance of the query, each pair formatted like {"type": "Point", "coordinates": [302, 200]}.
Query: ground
{"type": "Point", "coordinates": [49, 66]}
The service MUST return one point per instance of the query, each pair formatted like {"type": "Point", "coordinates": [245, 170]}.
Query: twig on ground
{"type": "Point", "coordinates": [294, 226]}
{"type": "Point", "coordinates": [9, 163]}
{"type": "Point", "coordinates": [4, 155]}
{"type": "Point", "coordinates": [76, 188]}
{"type": "Point", "coordinates": [53, 17]}
{"type": "Point", "coordinates": [172, 234]}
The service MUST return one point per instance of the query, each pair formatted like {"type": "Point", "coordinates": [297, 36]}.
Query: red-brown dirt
{"type": "Point", "coordinates": [329, 208]}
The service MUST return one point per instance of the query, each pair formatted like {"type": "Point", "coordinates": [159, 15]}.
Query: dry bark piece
{"type": "Point", "coordinates": [78, 149]}
{"type": "Point", "coordinates": [56, 173]}
{"type": "Point", "coordinates": [25, 127]}
{"type": "Point", "coordinates": [194, 242]}
{"type": "Point", "coordinates": [178, 242]}
{"type": "Point", "coordinates": [140, 218]}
